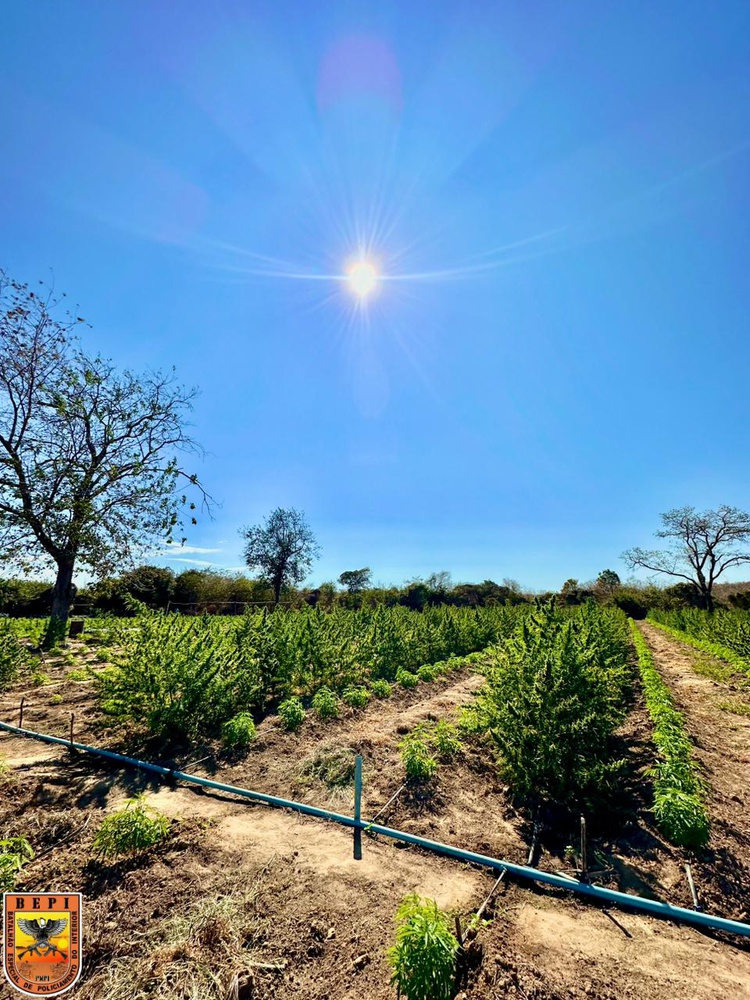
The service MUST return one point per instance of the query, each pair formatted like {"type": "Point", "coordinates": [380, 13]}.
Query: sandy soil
{"type": "Point", "coordinates": [324, 921]}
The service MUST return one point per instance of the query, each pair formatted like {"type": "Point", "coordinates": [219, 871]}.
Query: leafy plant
{"type": "Point", "coordinates": [419, 763]}
{"type": "Point", "coordinates": [131, 830]}
{"type": "Point", "coordinates": [553, 698]}
{"type": "Point", "coordinates": [679, 790]}
{"type": "Point", "coordinates": [424, 956]}
{"type": "Point", "coordinates": [356, 697]}
{"type": "Point", "coordinates": [292, 713]}
{"type": "Point", "coordinates": [326, 703]}
{"type": "Point", "coordinates": [239, 731]}
{"type": "Point", "coordinates": [13, 656]}
{"type": "Point", "coordinates": [14, 853]}
{"type": "Point", "coordinates": [381, 689]}
{"type": "Point", "coordinates": [406, 679]}
{"type": "Point", "coordinates": [428, 672]}
{"type": "Point", "coordinates": [180, 677]}
{"type": "Point", "coordinates": [445, 739]}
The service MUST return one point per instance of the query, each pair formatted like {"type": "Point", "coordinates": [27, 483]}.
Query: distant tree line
{"type": "Point", "coordinates": [195, 591]}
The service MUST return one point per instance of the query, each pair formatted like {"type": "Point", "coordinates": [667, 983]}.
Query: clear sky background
{"type": "Point", "coordinates": [556, 196]}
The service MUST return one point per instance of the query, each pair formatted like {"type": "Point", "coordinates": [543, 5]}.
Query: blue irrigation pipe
{"type": "Point", "coordinates": [623, 899]}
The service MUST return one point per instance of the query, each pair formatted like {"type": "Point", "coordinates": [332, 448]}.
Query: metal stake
{"type": "Point", "coordinates": [584, 860]}
{"type": "Point", "coordinates": [358, 807]}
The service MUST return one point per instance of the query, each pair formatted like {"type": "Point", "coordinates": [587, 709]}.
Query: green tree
{"type": "Point", "coordinates": [281, 550]}
{"type": "Point", "coordinates": [356, 580]}
{"type": "Point", "coordinates": [88, 455]}
{"type": "Point", "coordinates": [701, 546]}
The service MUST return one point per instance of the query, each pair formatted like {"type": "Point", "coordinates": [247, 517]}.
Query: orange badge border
{"type": "Point", "coordinates": [77, 966]}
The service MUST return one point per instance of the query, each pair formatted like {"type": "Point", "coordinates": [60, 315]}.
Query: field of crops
{"type": "Point", "coordinates": [493, 728]}
{"type": "Point", "coordinates": [722, 629]}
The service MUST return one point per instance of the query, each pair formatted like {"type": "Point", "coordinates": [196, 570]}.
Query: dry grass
{"type": "Point", "coordinates": [203, 953]}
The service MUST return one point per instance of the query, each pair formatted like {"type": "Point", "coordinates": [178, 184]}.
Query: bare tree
{"type": "Point", "coordinates": [282, 549]}
{"type": "Point", "coordinates": [88, 466]}
{"type": "Point", "coordinates": [702, 546]}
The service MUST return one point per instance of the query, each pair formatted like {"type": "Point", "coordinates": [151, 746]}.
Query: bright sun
{"type": "Point", "coordinates": [362, 277]}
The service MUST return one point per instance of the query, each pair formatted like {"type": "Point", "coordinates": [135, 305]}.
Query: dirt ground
{"type": "Point", "coordinates": [318, 922]}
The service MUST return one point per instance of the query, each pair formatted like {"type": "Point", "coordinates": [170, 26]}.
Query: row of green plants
{"type": "Point", "coordinates": [679, 790]}
{"type": "Point", "coordinates": [185, 677]}
{"type": "Point", "coordinates": [725, 634]}
{"type": "Point", "coordinates": [555, 693]}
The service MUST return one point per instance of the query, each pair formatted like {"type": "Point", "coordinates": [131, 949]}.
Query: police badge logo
{"type": "Point", "coordinates": [42, 941]}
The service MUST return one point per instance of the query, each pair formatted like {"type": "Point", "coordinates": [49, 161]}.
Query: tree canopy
{"type": "Point", "coordinates": [282, 549]}
{"type": "Point", "coordinates": [702, 545]}
{"type": "Point", "coordinates": [88, 454]}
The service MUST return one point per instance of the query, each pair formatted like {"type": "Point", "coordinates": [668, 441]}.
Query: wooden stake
{"type": "Point", "coordinates": [20, 713]}
{"type": "Point", "coordinates": [459, 932]}
{"type": "Point", "coordinates": [483, 907]}
{"type": "Point", "coordinates": [693, 893]}
{"type": "Point", "coordinates": [72, 719]}
{"type": "Point", "coordinates": [358, 807]}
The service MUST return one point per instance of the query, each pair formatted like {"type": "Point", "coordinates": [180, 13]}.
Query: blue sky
{"type": "Point", "coordinates": [555, 197]}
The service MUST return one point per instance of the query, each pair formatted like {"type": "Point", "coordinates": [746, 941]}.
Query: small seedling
{"type": "Point", "coordinates": [131, 830]}
{"type": "Point", "coordinates": [14, 853]}
{"type": "Point", "coordinates": [424, 956]}
{"type": "Point", "coordinates": [238, 732]}
{"type": "Point", "coordinates": [418, 762]}
{"type": "Point", "coordinates": [406, 678]}
{"type": "Point", "coordinates": [356, 697]}
{"type": "Point", "coordinates": [292, 713]}
{"type": "Point", "coordinates": [381, 689]}
{"type": "Point", "coordinates": [326, 704]}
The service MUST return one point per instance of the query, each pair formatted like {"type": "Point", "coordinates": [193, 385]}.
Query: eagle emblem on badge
{"type": "Point", "coordinates": [42, 941]}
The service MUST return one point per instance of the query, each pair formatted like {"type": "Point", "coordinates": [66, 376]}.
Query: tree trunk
{"type": "Point", "coordinates": [62, 596]}
{"type": "Point", "coordinates": [709, 599]}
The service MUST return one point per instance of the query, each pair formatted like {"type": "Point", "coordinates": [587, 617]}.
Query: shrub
{"type": "Point", "coordinates": [326, 704]}
{"type": "Point", "coordinates": [131, 830]}
{"type": "Point", "coordinates": [418, 762]}
{"type": "Point", "coordinates": [181, 677]}
{"type": "Point", "coordinates": [424, 956]}
{"type": "Point", "coordinates": [406, 678]}
{"type": "Point", "coordinates": [554, 697]}
{"type": "Point", "coordinates": [292, 713]}
{"type": "Point", "coordinates": [428, 672]}
{"type": "Point", "coordinates": [446, 741]}
{"type": "Point", "coordinates": [356, 697]}
{"type": "Point", "coordinates": [239, 731]}
{"type": "Point", "coordinates": [381, 689]}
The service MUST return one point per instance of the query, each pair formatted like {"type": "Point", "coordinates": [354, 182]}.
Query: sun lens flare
{"type": "Point", "coordinates": [362, 277]}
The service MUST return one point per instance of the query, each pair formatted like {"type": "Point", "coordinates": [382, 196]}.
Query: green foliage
{"type": "Point", "coordinates": [724, 634]}
{"type": "Point", "coordinates": [14, 853]}
{"type": "Point", "coordinates": [356, 697]}
{"type": "Point", "coordinates": [406, 679]}
{"type": "Point", "coordinates": [292, 713]}
{"type": "Point", "coordinates": [13, 656]}
{"type": "Point", "coordinates": [381, 689]}
{"type": "Point", "coordinates": [553, 698]}
{"type": "Point", "coordinates": [39, 678]}
{"type": "Point", "coordinates": [180, 677]}
{"type": "Point", "coordinates": [446, 740]}
{"type": "Point", "coordinates": [428, 672]}
{"type": "Point", "coordinates": [131, 830]}
{"type": "Point", "coordinates": [679, 790]}
{"type": "Point", "coordinates": [239, 731]}
{"type": "Point", "coordinates": [424, 956]}
{"type": "Point", "coordinates": [419, 763]}
{"type": "Point", "coordinates": [326, 704]}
